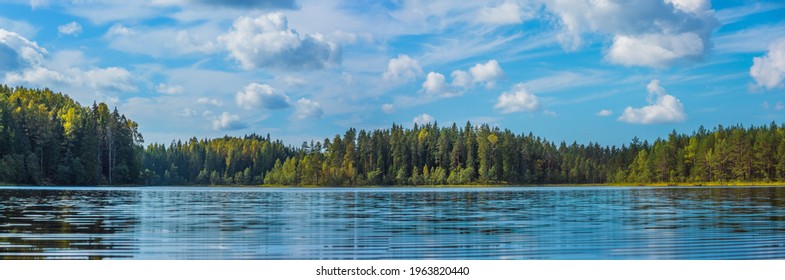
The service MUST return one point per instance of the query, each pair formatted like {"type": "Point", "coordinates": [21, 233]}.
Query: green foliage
{"type": "Point", "coordinates": [227, 160]}
{"type": "Point", "coordinates": [47, 138]}
{"type": "Point", "coordinates": [429, 155]}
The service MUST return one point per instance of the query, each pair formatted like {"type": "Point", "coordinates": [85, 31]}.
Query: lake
{"type": "Point", "coordinates": [392, 223]}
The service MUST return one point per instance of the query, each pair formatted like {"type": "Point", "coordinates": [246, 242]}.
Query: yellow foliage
{"type": "Point", "coordinates": [493, 139]}
{"type": "Point", "coordinates": [422, 135]}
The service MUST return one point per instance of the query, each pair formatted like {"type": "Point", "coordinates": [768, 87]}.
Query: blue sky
{"type": "Point", "coordinates": [599, 71]}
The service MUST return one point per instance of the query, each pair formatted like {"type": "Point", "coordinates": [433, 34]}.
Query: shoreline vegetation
{"type": "Point", "coordinates": [47, 138]}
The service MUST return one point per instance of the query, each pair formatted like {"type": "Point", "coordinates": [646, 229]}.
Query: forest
{"type": "Point", "coordinates": [47, 138]}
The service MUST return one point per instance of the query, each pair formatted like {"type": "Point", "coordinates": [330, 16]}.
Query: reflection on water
{"type": "Point", "coordinates": [394, 223]}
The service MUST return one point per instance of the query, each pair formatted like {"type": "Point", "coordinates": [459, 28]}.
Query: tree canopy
{"type": "Point", "coordinates": [47, 138]}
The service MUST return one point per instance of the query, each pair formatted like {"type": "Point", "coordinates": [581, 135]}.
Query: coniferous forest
{"type": "Point", "coordinates": [47, 138]}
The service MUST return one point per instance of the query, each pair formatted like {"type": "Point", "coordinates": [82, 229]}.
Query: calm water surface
{"type": "Point", "coordinates": [392, 223]}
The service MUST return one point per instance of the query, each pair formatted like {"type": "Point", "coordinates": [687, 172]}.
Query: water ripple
{"type": "Point", "coordinates": [392, 223]}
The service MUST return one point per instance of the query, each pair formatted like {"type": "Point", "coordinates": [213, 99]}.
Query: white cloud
{"type": "Point", "coordinates": [169, 89]}
{"type": "Point", "coordinates": [489, 72]}
{"type": "Point", "coordinates": [461, 78]}
{"type": "Point", "coordinates": [434, 83]}
{"type": "Point", "coordinates": [119, 30]}
{"type": "Point", "coordinates": [307, 109]}
{"type": "Point", "coordinates": [261, 96]}
{"type": "Point", "coordinates": [16, 52]}
{"type": "Point", "coordinates": [105, 79]}
{"type": "Point", "coordinates": [402, 69]}
{"type": "Point", "coordinates": [662, 108]}
{"type": "Point", "coordinates": [266, 41]}
{"type": "Point", "coordinates": [72, 28]}
{"type": "Point", "coordinates": [24, 62]}
{"type": "Point", "coordinates": [655, 50]}
{"type": "Point", "coordinates": [423, 119]}
{"type": "Point", "coordinates": [209, 101]}
{"type": "Point", "coordinates": [517, 100]}
{"type": "Point", "coordinates": [549, 113]}
{"type": "Point", "coordinates": [505, 13]}
{"type": "Point", "coordinates": [388, 108]}
{"type": "Point", "coordinates": [769, 70]}
{"type": "Point", "coordinates": [604, 113]}
{"type": "Point", "coordinates": [111, 78]}
{"type": "Point", "coordinates": [228, 121]}
{"type": "Point", "coordinates": [664, 31]}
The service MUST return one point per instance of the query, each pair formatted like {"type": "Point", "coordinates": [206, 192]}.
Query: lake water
{"type": "Point", "coordinates": [392, 223]}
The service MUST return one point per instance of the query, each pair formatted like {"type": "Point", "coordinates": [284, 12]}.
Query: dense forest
{"type": "Point", "coordinates": [430, 155]}
{"type": "Point", "coordinates": [47, 138]}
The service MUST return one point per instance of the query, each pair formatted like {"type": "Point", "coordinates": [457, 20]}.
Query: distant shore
{"type": "Point", "coordinates": [680, 184]}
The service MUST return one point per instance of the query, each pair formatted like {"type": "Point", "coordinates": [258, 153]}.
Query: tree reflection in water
{"type": "Point", "coordinates": [53, 224]}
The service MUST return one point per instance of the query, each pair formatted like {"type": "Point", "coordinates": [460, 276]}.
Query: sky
{"type": "Point", "coordinates": [601, 71]}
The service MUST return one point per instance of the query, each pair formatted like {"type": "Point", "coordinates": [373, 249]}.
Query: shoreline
{"type": "Point", "coordinates": [478, 186]}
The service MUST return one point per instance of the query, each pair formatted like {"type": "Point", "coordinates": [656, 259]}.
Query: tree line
{"type": "Point", "coordinates": [47, 138]}
{"type": "Point", "coordinates": [433, 155]}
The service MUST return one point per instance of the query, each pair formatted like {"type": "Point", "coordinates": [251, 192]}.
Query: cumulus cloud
{"type": "Point", "coordinates": [266, 41]}
{"type": "Point", "coordinates": [105, 79]}
{"type": "Point", "coordinates": [662, 108]}
{"type": "Point", "coordinates": [423, 119]}
{"type": "Point", "coordinates": [72, 28]}
{"type": "Point", "coordinates": [488, 72]}
{"type": "Point", "coordinates": [402, 69]}
{"type": "Point", "coordinates": [604, 113]}
{"type": "Point", "coordinates": [769, 70]}
{"type": "Point", "coordinates": [16, 52]}
{"type": "Point", "coordinates": [388, 108]}
{"type": "Point", "coordinates": [228, 121]}
{"type": "Point", "coordinates": [169, 89]}
{"type": "Point", "coordinates": [517, 100]}
{"type": "Point", "coordinates": [461, 78]}
{"type": "Point", "coordinates": [434, 83]}
{"type": "Point", "coordinates": [661, 32]}
{"type": "Point", "coordinates": [261, 96]}
{"type": "Point", "coordinates": [24, 62]}
{"type": "Point", "coordinates": [111, 78]}
{"type": "Point", "coordinates": [655, 50]}
{"type": "Point", "coordinates": [307, 109]}
{"type": "Point", "coordinates": [505, 13]}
